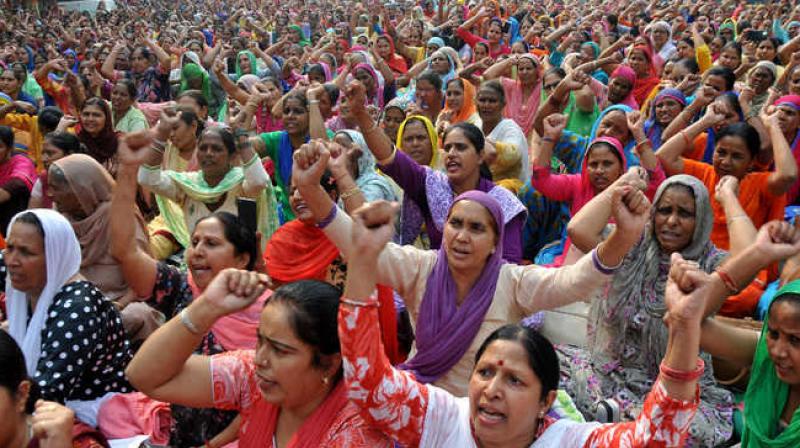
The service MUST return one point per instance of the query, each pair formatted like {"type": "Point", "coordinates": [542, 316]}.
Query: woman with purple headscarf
{"type": "Point", "coordinates": [462, 292]}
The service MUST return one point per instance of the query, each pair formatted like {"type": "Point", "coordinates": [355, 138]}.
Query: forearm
{"type": "Point", "coordinates": [156, 180]}
{"type": "Point", "coordinates": [785, 165]}
{"type": "Point", "coordinates": [5, 195]}
{"type": "Point", "coordinates": [741, 268]}
{"type": "Point", "coordinates": [123, 199]}
{"type": "Point", "coordinates": [256, 178]}
{"type": "Point", "coordinates": [722, 341]}
{"type": "Point", "coordinates": [741, 230]}
{"type": "Point", "coordinates": [680, 122]}
{"type": "Point", "coordinates": [352, 197]}
{"type": "Point", "coordinates": [498, 70]}
{"type": "Point", "coordinates": [682, 351]}
{"type": "Point", "coordinates": [671, 152]}
{"type": "Point", "coordinates": [107, 69]}
{"type": "Point", "coordinates": [377, 141]}
{"type": "Point", "coordinates": [613, 250]}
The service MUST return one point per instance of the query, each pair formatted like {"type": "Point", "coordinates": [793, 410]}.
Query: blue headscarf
{"type": "Point", "coordinates": [652, 129]}
{"type": "Point", "coordinates": [514, 31]}
{"type": "Point", "coordinates": [630, 154]}
{"type": "Point", "coordinates": [76, 66]}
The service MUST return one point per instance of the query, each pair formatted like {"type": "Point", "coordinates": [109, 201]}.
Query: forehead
{"type": "Point", "coordinates": [209, 227]}
{"type": "Point", "coordinates": [615, 117]}
{"type": "Point", "coordinates": [472, 211]}
{"type": "Point", "coordinates": [511, 353]}
{"type": "Point", "coordinates": [24, 234]}
{"type": "Point", "coordinates": [414, 128]}
{"type": "Point", "coordinates": [786, 314]}
{"type": "Point", "coordinates": [601, 151]}
{"type": "Point", "coordinates": [677, 194]}
{"type": "Point", "coordinates": [211, 138]}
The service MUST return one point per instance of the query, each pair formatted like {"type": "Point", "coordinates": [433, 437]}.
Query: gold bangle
{"type": "Point", "coordinates": [350, 193]}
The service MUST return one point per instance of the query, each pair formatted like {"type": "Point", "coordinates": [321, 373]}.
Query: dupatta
{"type": "Point", "coordinates": [644, 85]}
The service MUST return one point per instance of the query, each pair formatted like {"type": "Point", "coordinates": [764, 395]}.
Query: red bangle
{"type": "Point", "coordinates": [728, 281]}
{"type": "Point", "coordinates": [683, 376]}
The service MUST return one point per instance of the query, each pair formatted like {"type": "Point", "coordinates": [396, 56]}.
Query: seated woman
{"type": "Point", "coordinates": [71, 335]}
{"type": "Point", "coordinates": [52, 422]}
{"type": "Point", "coordinates": [627, 336]}
{"type": "Point", "coordinates": [394, 114]}
{"type": "Point", "coordinates": [17, 176]}
{"type": "Point", "coordinates": [125, 115]}
{"type": "Point", "coordinates": [788, 108]}
{"type": "Point", "coordinates": [603, 163]}
{"type": "Point", "coordinates": [666, 106]}
{"type": "Point", "coordinates": [97, 133]}
{"type": "Point", "coordinates": [522, 95]}
{"type": "Point", "coordinates": [461, 293]}
{"type": "Point", "coordinates": [505, 134]}
{"type": "Point", "coordinates": [432, 191]}
{"type": "Point", "coordinates": [217, 185]}
{"type": "Point", "coordinates": [769, 410]}
{"type": "Point", "coordinates": [280, 145]}
{"type": "Point", "coordinates": [218, 241]}
{"type": "Point", "coordinates": [459, 105]}
{"type": "Point", "coordinates": [57, 145]}
{"type": "Point", "coordinates": [513, 376]}
{"type": "Point", "coordinates": [762, 194]}
{"type": "Point", "coordinates": [289, 390]}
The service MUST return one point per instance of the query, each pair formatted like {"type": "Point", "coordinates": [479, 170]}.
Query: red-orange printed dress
{"type": "Point", "coordinates": [422, 415]}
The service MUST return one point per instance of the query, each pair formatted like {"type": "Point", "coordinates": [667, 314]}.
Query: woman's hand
{"type": "Point", "coordinates": [66, 122]}
{"type": "Point", "coordinates": [630, 210]}
{"type": "Point", "coordinates": [727, 188]}
{"type": "Point", "coordinates": [635, 120]}
{"type": "Point", "coordinates": [340, 159]}
{"type": "Point", "coordinates": [635, 177]}
{"type": "Point", "coordinates": [132, 149]}
{"type": "Point", "coordinates": [776, 241]}
{"type": "Point", "coordinates": [714, 115]}
{"type": "Point", "coordinates": [685, 294]}
{"type": "Point", "coordinates": [310, 161]}
{"type": "Point", "coordinates": [769, 116]}
{"type": "Point", "coordinates": [233, 290]}
{"type": "Point", "coordinates": [52, 424]}
{"type": "Point", "coordinates": [356, 95]}
{"type": "Point", "coordinates": [373, 227]}
{"type": "Point", "coordinates": [554, 125]}
{"type": "Point", "coordinates": [166, 123]}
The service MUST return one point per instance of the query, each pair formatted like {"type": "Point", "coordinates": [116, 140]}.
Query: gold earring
{"type": "Point", "coordinates": [326, 380]}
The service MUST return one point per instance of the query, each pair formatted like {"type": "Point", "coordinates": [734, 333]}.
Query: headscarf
{"type": "Point", "coordinates": [624, 71]}
{"type": "Point", "coordinates": [468, 107]}
{"type": "Point", "coordinates": [377, 97]}
{"type": "Point", "coordinates": [652, 129]}
{"type": "Point", "coordinates": [445, 329]}
{"type": "Point", "coordinates": [371, 183]}
{"type": "Point", "coordinates": [298, 251]}
{"type": "Point", "coordinates": [252, 62]}
{"type": "Point", "coordinates": [395, 62]}
{"type": "Point", "coordinates": [304, 42]}
{"type": "Point", "coordinates": [248, 81]}
{"type": "Point", "coordinates": [729, 24]}
{"type": "Point", "coordinates": [411, 215]}
{"type": "Point", "coordinates": [792, 101]}
{"type": "Point", "coordinates": [436, 40]}
{"type": "Point", "coordinates": [640, 282]}
{"type": "Point", "coordinates": [766, 396]}
{"type": "Point", "coordinates": [76, 66]}
{"type": "Point", "coordinates": [630, 155]}
{"type": "Point", "coordinates": [92, 186]}
{"type": "Point", "coordinates": [194, 71]}
{"type": "Point", "coordinates": [451, 73]}
{"type": "Point", "coordinates": [431, 134]}
{"type": "Point", "coordinates": [102, 147]}
{"type": "Point", "coordinates": [644, 85]}
{"type": "Point", "coordinates": [63, 261]}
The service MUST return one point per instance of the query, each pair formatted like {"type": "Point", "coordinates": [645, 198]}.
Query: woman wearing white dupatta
{"type": "Point", "coordinates": [74, 344]}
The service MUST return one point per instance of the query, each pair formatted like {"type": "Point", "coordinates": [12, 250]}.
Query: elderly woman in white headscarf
{"type": "Point", "coordinates": [74, 344]}
{"type": "Point", "coordinates": [360, 164]}
{"type": "Point", "coordinates": [661, 36]}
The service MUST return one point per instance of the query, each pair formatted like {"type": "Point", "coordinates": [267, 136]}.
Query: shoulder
{"type": "Point", "coordinates": [510, 204]}
{"type": "Point", "coordinates": [351, 430]}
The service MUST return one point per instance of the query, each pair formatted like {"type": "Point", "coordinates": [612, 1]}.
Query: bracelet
{"type": "Point", "coordinates": [727, 280]}
{"type": "Point", "coordinates": [158, 146]}
{"type": "Point", "coordinates": [598, 264]}
{"type": "Point", "coordinates": [350, 193]}
{"type": "Point", "coordinates": [683, 376]}
{"type": "Point", "coordinates": [548, 139]}
{"type": "Point", "coordinates": [370, 303]}
{"type": "Point", "coordinates": [739, 216]}
{"type": "Point", "coordinates": [328, 219]}
{"type": "Point", "coordinates": [310, 102]}
{"type": "Point", "coordinates": [187, 322]}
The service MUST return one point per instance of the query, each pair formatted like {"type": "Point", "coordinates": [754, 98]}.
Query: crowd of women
{"type": "Point", "coordinates": [330, 223]}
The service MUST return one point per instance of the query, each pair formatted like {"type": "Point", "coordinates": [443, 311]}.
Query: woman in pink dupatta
{"type": "Point", "coordinates": [17, 176]}
{"type": "Point", "coordinates": [523, 94]}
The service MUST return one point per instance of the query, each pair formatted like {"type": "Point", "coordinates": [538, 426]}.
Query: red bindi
{"type": "Point", "coordinates": [500, 363]}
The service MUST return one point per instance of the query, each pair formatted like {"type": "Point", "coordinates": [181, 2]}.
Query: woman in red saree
{"type": "Point", "coordinates": [642, 62]}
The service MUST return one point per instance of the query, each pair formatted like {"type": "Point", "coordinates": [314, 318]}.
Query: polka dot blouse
{"type": "Point", "coordinates": [84, 345]}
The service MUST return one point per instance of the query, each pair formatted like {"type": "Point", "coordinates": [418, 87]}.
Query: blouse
{"type": "Point", "coordinates": [422, 415]}
{"type": "Point", "coordinates": [133, 120]}
{"type": "Point", "coordinates": [509, 132]}
{"type": "Point", "coordinates": [521, 290]}
{"type": "Point", "coordinates": [84, 346]}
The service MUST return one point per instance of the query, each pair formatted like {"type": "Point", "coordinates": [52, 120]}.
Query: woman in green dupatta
{"type": "Point", "coordinates": [245, 64]}
{"type": "Point", "coordinates": [217, 185]}
{"type": "Point", "coordinates": [194, 77]}
{"type": "Point", "coordinates": [772, 399]}
{"type": "Point", "coordinates": [296, 36]}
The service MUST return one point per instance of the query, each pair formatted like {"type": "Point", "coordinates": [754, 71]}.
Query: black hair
{"type": "Point", "coordinates": [431, 77]}
{"type": "Point", "coordinates": [242, 238]}
{"type": "Point", "coordinates": [332, 91]}
{"type": "Point", "coordinates": [732, 45]}
{"type": "Point", "coordinates": [7, 137]}
{"type": "Point", "coordinates": [130, 87]}
{"type": "Point", "coordinates": [611, 147]}
{"type": "Point", "coordinates": [733, 101]}
{"type": "Point", "coordinates": [725, 73]}
{"type": "Point", "coordinates": [688, 41]}
{"type": "Point", "coordinates": [67, 142]}
{"type": "Point", "coordinates": [298, 96]}
{"type": "Point", "coordinates": [315, 307]}
{"type": "Point", "coordinates": [746, 133]}
{"type": "Point", "coordinates": [456, 80]}
{"type": "Point", "coordinates": [316, 69]}
{"type": "Point", "coordinates": [195, 95]}
{"type": "Point", "coordinates": [542, 357]}
{"type": "Point", "coordinates": [188, 116]}
{"type": "Point", "coordinates": [32, 219]}
{"type": "Point", "coordinates": [495, 86]}
{"type": "Point", "coordinates": [475, 136]}
{"type": "Point", "coordinates": [560, 72]}
{"type": "Point", "coordinates": [690, 64]}
{"type": "Point", "coordinates": [14, 371]}
{"type": "Point", "coordinates": [227, 137]}
{"type": "Point", "coordinates": [790, 297]}
{"type": "Point", "coordinates": [48, 118]}
{"type": "Point", "coordinates": [146, 53]}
